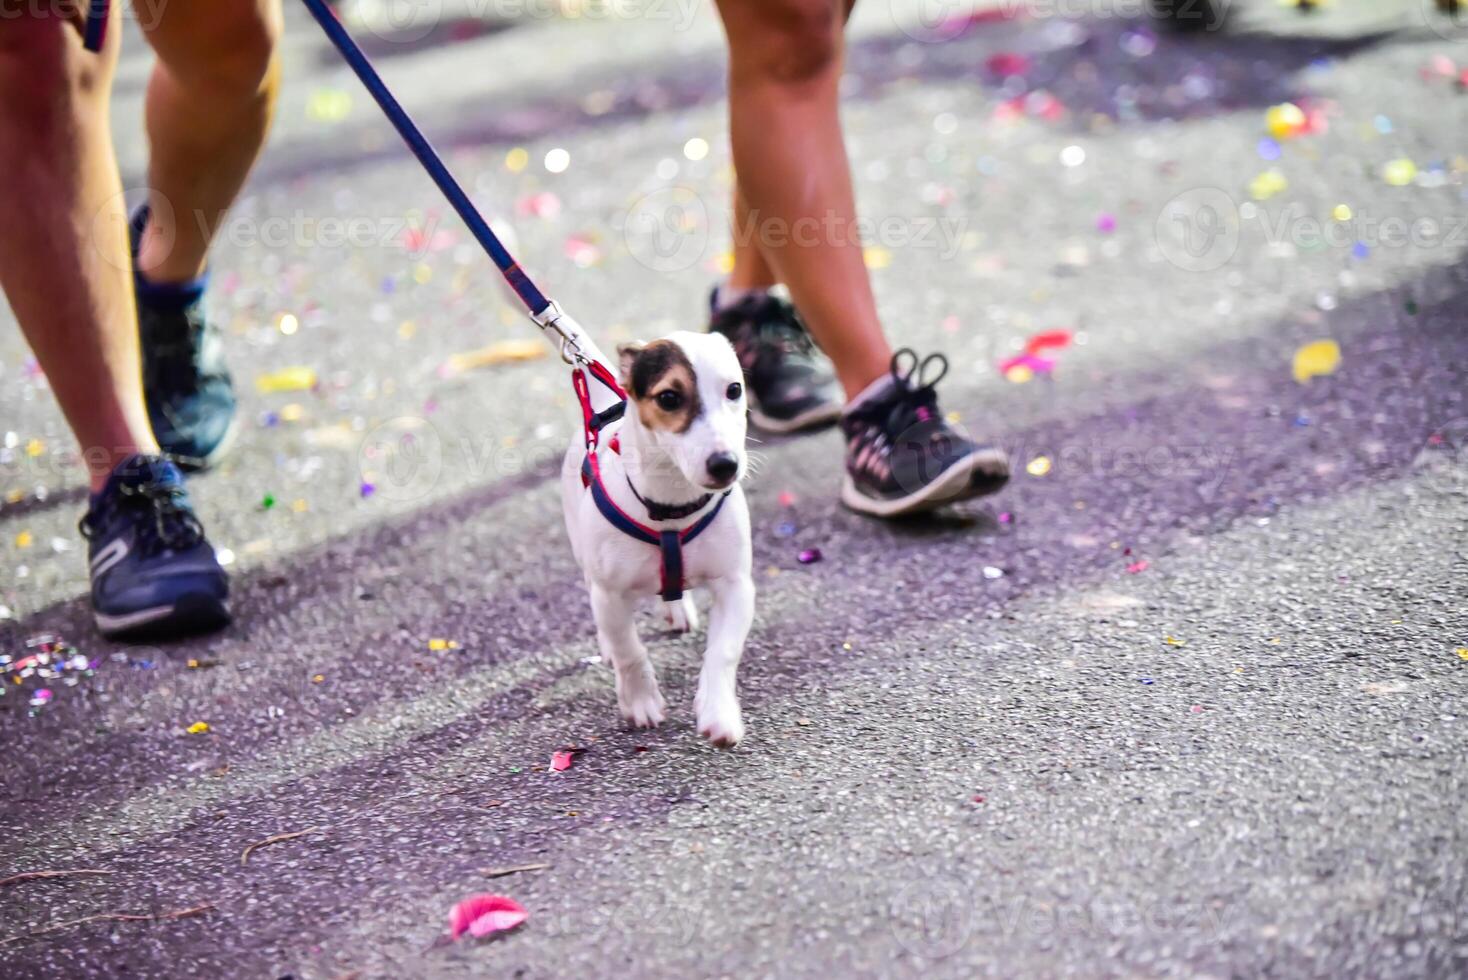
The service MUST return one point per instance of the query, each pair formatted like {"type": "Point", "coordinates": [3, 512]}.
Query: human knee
{"type": "Point", "coordinates": [231, 51]}
{"type": "Point", "coordinates": [793, 41]}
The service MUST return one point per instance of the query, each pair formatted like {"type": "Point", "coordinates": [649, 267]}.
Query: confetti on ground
{"type": "Point", "coordinates": [562, 758]}
{"type": "Point", "coordinates": [809, 556]}
{"type": "Point", "coordinates": [1400, 172]}
{"type": "Point", "coordinates": [1173, 641]}
{"type": "Point", "coordinates": [286, 379]}
{"type": "Point", "coordinates": [1463, 652]}
{"type": "Point", "coordinates": [1038, 466]}
{"type": "Point", "coordinates": [1267, 185]}
{"type": "Point", "coordinates": [1138, 567]}
{"type": "Point", "coordinates": [483, 915]}
{"type": "Point", "coordinates": [198, 728]}
{"type": "Point", "coordinates": [500, 352]}
{"type": "Point", "coordinates": [46, 659]}
{"type": "Point", "coordinates": [1316, 359]}
{"type": "Point", "coordinates": [274, 839]}
{"type": "Point", "coordinates": [437, 643]}
{"type": "Point", "coordinates": [1285, 121]}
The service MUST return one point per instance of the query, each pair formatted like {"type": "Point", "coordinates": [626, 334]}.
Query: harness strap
{"type": "Point", "coordinates": [669, 543]}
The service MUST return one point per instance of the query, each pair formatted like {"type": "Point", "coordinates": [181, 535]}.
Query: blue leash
{"type": "Point", "coordinates": [533, 298]}
{"type": "Point", "coordinates": [546, 314]}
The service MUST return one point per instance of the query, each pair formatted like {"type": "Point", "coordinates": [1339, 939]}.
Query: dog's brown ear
{"type": "Point", "coordinates": [626, 354]}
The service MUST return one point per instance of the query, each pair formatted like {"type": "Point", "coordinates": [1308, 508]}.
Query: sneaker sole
{"type": "Point", "coordinates": [978, 475]}
{"type": "Point", "coordinates": [193, 464]}
{"type": "Point", "coordinates": [809, 419]}
{"type": "Point", "coordinates": [190, 615]}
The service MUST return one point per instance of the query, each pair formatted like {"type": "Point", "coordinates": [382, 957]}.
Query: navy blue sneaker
{"type": "Point", "coordinates": [190, 396]}
{"type": "Point", "coordinates": [902, 457]}
{"type": "Point", "coordinates": [153, 572]}
{"type": "Point", "coordinates": [790, 383]}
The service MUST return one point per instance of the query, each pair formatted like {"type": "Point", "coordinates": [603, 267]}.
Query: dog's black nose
{"type": "Point", "coordinates": [723, 466]}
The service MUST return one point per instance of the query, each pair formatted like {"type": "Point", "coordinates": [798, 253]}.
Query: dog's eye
{"type": "Point", "coordinates": [669, 400]}
{"type": "Point", "coordinates": [735, 392]}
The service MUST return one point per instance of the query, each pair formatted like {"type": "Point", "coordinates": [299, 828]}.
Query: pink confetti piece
{"type": "Point", "coordinates": [483, 915]}
{"type": "Point", "coordinates": [1138, 567]}
{"type": "Point", "coordinates": [561, 760]}
{"type": "Point", "coordinates": [1007, 63]}
{"type": "Point", "coordinates": [1039, 365]}
{"type": "Point", "coordinates": [809, 556]}
{"type": "Point", "coordinates": [787, 499]}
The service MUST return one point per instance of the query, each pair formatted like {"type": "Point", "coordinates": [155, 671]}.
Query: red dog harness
{"type": "Point", "coordinates": [669, 543]}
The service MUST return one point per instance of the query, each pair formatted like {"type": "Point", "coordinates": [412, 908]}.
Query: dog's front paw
{"type": "Point", "coordinates": [682, 615]}
{"type": "Point", "coordinates": [641, 708]}
{"type": "Point", "coordinates": [719, 719]}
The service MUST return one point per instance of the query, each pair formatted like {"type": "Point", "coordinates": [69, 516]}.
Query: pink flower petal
{"type": "Point", "coordinates": [561, 761]}
{"type": "Point", "coordinates": [481, 915]}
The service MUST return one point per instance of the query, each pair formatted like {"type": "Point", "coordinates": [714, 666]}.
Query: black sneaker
{"type": "Point", "coordinates": [153, 572]}
{"type": "Point", "coordinates": [790, 383]}
{"type": "Point", "coordinates": [187, 387]}
{"type": "Point", "coordinates": [902, 457]}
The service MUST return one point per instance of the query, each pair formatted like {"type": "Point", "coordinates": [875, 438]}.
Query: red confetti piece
{"type": "Point", "coordinates": [1008, 63]}
{"type": "Point", "coordinates": [1048, 340]}
{"type": "Point", "coordinates": [787, 499]}
{"type": "Point", "coordinates": [482, 915]}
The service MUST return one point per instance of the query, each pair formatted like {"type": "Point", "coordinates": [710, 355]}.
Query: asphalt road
{"type": "Point", "coordinates": [1187, 703]}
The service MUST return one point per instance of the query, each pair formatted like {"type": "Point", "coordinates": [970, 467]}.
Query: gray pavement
{"type": "Point", "coordinates": [947, 773]}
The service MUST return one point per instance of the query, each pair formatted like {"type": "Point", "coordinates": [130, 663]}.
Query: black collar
{"type": "Point", "coordinates": [669, 512]}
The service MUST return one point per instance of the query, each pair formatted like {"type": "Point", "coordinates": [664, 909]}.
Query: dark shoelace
{"type": "Point", "coordinates": [913, 397]}
{"type": "Point", "coordinates": [172, 526]}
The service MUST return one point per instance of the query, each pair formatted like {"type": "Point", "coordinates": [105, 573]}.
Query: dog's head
{"type": "Point", "coordinates": [686, 392]}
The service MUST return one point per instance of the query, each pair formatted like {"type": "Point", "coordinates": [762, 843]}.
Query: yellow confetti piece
{"type": "Point", "coordinates": [1284, 120]}
{"type": "Point", "coordinates": [286, 379]}
{"type": "Point", "coordinates": [500, 352]}
{"type": "Point", "coordinates": [517, 160]}
{"type": "Point", "coordinates": [1316, 359]}
{"type": "Point", "coordinates": [422, 273]}
{"type": "Point", "coordinates": [407, 329]}
{"type": "Point", "coordinates": [725, 263]}
{"type": "Point", "coordinates": [439, 644]}
{"type": "Point", "coordinates": [1463, 652]}
{"type": "Point", "coordinates": [1038, 466]}
{"type": "Point", "coordinates": [1267, 185]}
{"type": "Point", "coordinates": [35, 448]}
{"type": "Point", "coordinates": [1173, 641]}
{"type": "Point", "coordinates": [1400, 172]}
{"type": "Point", "coordinates": [1342, 212]}
{"type": "Point", "coordinates": [288, 324]}
{"type": "Point", "coordinates": [300, 506]}
{"type": "Point", "coordinates": [1019, 374]}
{"type": "Point", "coordinates": [24, 539]}
{"type": "Point", "coordinates": [198, 728]}
{"type": "Point", "coordinates": [317, 678]}
{"type": "Point", "coordinates": [329, 105]}
{"type": "Point", "coordinates": [876, 257]}
{"type": "Point", "coordinates": [292, 412]}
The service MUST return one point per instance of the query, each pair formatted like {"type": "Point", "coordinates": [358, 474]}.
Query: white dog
{"type": "Point", "coordinates": [666, 513]}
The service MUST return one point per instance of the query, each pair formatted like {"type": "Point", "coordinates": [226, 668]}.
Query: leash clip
{"type": "Point", "coordinates": [549, 320]}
